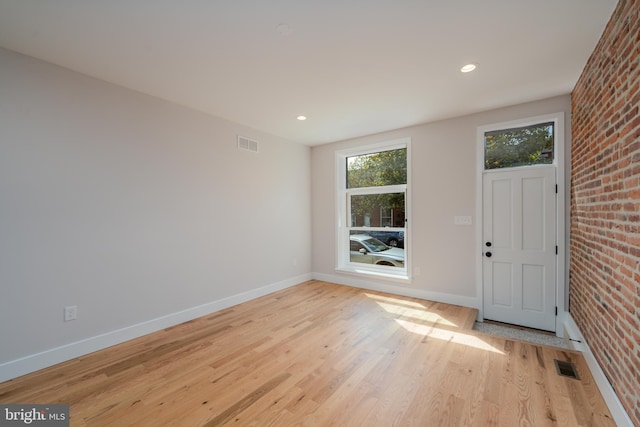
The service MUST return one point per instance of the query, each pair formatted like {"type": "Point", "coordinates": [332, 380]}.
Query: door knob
{"type": "Point", "coordinates": [488, 254]}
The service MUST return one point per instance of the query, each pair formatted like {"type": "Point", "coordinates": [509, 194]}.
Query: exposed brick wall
{"type": "Point", "coordinates": [605, 204]}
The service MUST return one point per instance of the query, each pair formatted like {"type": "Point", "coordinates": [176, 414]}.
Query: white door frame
{"type": "Point", "coordinates": [562, 286]}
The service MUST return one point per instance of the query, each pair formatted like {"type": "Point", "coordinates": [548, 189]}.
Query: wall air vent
{"type": "Point", "coordinates": [566, 369]}
{"type": "Point", "coordinates": [247, 144]}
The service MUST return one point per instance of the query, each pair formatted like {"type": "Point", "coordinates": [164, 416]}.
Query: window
{"type": "Point", "coordinates": [372, 200]}
{"type": "Point", "coordinates": [386, 216]}
{"type": "Point", "coordinates": [523, 146]}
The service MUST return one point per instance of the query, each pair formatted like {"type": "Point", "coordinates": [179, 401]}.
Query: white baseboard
{"type": "Point", "coordinates": [575, 339]}
{"type": "Point", "coordinates": [399, 290]}
{"type": "Point", "coordinates": [34, 362]}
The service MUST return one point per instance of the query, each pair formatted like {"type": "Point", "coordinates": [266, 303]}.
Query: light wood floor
{"type": "Point", "coordinates": [321, 354]}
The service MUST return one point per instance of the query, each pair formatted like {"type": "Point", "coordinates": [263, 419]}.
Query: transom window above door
{"type": "Point", "coordinates": [522, 146]}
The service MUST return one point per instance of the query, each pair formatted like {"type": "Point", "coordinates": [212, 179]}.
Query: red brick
{"type": "Point", "coordinates": [605, 203]}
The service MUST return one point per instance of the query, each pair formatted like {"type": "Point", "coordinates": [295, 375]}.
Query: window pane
{"type": "Point", "coordinates": [389, 238]}
{"type": "Point", "coordinates": [377, 210]}
{"type": "Point", "coordinates": [366, 249]}
{"type": "Point", "coordinates": [377, 169]}
{"type": "Point", "coordinates": [531, 145]}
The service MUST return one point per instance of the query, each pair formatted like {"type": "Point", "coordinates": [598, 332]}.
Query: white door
{"type": "Point", "coordinates": [519, 246]}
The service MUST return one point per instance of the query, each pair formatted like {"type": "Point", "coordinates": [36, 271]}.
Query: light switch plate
{"type": "Point", "coordinates": [462, 220]}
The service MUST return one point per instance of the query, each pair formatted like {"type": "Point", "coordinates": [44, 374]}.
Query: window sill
{"type": "Point", "coordinates": [396, 276]}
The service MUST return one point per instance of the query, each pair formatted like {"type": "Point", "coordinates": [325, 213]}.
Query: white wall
{"type": "Point", "coordinates": [135, 209]}
{"type": "Point", "coordinates": [443, 169]}
{"type": "Point", "coordinates": [132, 208]}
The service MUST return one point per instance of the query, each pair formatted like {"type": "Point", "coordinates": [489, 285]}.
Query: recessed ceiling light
{"type": "Point", "coordinates": [468, 68]}
{"type": "Point", "coordinates": [301, 117]}
{"type": "Point", "coordinates": [284, 30]}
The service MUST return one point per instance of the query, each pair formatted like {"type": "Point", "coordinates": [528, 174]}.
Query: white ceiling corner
{"type": "Point", "coordinates": [352, 67]}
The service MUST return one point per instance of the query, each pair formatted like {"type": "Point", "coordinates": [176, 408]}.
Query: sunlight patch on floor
{"type": "Point", "coordinates": [410, 309]}
{"type": "Point", "coordinates": [424, 315]}
{"type": "Point", "coordinates": [447, 335]}
{"type": "Point", "coordinates": [395, 300]}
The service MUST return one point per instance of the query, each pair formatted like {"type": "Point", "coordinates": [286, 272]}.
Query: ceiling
{"type": "Point", "coordinates": [353, 67]}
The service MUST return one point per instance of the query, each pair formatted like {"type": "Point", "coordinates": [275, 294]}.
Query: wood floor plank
{"type": "Point", "coordinates": [321, 354]}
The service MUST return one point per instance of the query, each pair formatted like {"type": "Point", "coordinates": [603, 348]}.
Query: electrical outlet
{"type": "Point", "coordinates": [70, 313]}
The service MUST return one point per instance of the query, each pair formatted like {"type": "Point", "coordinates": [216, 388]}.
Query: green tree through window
{"type": "Point", "coordinates": [530, 145]}
{"type": "Point", "coordinates": [376, 170]}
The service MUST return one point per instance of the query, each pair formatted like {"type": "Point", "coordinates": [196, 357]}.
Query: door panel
{"type": "Point", "coordinates": [501, 282]}
{"type": "Point", "coordinates": [501, 219]}
{"type": "Point", "coordinates": [519, 264]}
{"type": "Point", "coordinates": [533, 213]}
{"type": "Point", "coordinates": [532, 287]}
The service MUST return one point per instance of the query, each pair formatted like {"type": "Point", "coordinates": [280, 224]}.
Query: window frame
{"type": "Point", "coordinates": [554, 138]}
{"type": "Point", "coordinates": [344, 217]}
{"type": "Point", "coordinates": [560, 162]}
